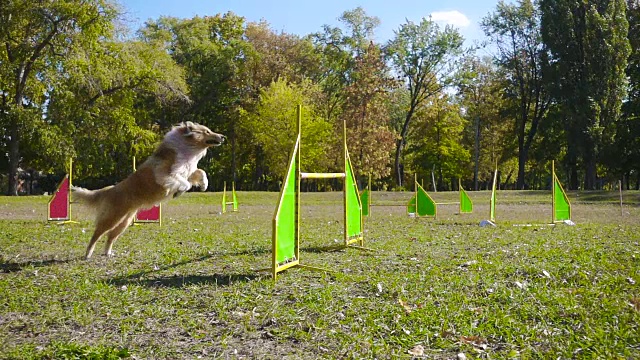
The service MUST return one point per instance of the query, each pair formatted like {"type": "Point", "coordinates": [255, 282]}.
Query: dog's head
{"type": "Point", "coordinates": [199, 136]}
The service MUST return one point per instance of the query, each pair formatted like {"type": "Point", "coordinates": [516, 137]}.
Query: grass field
{"type": "Point", "coordinates": [431, 289]}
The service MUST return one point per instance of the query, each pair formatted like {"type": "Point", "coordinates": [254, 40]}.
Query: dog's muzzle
{"type": "Point", "coordinates": [216, 141]}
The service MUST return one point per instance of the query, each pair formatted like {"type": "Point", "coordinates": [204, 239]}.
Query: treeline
{"type": "Point", "coordinates": [562, 83]}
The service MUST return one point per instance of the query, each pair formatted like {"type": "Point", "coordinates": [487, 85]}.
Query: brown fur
{"type": "Point", "coordinates": [169, 172]}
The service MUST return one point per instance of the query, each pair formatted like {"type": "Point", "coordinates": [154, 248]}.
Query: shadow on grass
{"type": "Point", "coordinates": [186, 280]}
{"type": "Point", "coordinates": [178, 281]}
{"type": "Point", "coordinates": [323, 249]}
{"type": "Point", "coordinates": [9, 267]}
{"type": "Point", "coordinates": [209, 255]}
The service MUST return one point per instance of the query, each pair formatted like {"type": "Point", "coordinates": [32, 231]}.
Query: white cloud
{"type": "Point", "coordinates": [454, 17]}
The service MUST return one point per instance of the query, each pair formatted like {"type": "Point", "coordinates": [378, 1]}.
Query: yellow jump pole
{"type": "Point", "coordinates": [344, 183]}
{"type": "Point", "coordinates": [553, 191]}
{"type": "Point", "coordinates": [70, 184]}
{"type": "Point", "coordinates": [298, 179]}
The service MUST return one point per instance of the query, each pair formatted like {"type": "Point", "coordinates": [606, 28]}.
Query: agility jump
{"type": "Point", "coordinates": [234, 198]}
{"type": "Point", "coordinates": [152, 215]}
{"type": "Point", "coordinates": [286, 219]}
{"type": "Point", "coordinates": [560, 205]}
{"type": "Point", "coordinates": [59, 206]}
{"type": "Point", "coordinates": [421, 204]}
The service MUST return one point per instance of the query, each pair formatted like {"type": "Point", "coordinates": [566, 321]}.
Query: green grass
{"type": "Point", "coordinates": [191, 288]}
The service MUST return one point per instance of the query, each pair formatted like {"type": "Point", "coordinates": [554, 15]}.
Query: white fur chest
{"type": "Point", "coordinates": [186, 164]}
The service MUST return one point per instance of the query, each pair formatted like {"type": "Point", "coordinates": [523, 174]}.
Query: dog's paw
{"type": "Point", "coordinates": [204, 184]}
{"type": "Point", "coordinates": [183, 188]}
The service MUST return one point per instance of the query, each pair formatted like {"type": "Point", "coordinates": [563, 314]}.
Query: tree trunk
{"type": "Point", "coordinates": [398, 164]}
{"type": "Point", "coordinates": [573, 177]}
{"type": "Point", "coordinates": [590, 174]}
{"type": "Point", "coordinates": [522, 159]}
{"type": "Point", "coordinates": [233, 155]}
{"type": "Point", "coordinates": [400, 147]}
{"type": "Point", "coordinates": [14, 156]}
{"type": "Point", "coordinates": [477, 155]}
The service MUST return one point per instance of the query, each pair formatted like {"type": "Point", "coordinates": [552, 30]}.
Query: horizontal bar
{"type": "Point", "coordinates": [322, 175]}
{"type": "Point", "coordinates": [449, 203]}
{"type": "Point", "coordinates": [285, 266]}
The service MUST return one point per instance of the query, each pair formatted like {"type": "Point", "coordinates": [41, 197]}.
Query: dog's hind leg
{"type": "Point", "coordinates": [102, 227]}
{"type": "Point", "coordinates": [113, 234]}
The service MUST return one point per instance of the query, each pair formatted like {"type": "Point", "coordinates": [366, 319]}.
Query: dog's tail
{"type": "Point", "coordinates": [88, 197]}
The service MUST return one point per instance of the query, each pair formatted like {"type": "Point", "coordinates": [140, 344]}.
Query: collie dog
{"type": "Point", "coordinates": [169, 172]}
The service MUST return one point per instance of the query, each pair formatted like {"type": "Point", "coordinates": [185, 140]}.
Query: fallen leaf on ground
{"type": "Point", "coordinates": [476, 341]}
{"type": "Point", "coordinates": [406, 306]}
{"type": "Point", "coordinates": [473, 340]}
{"type": "Point", "coordinates": [417, 350]}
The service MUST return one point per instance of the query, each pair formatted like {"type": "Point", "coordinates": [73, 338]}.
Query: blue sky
{"type": "Point", "coordinates": [304, 17]}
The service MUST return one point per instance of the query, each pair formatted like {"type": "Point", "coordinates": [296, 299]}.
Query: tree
{"type": "Point", "coordinates": [515, 30]}
{"type": "Point", "coordinates": [108, 101]}
{"type": "Point", "coordinates": [275, 128]}
{"type": "Point", "coordinates": [489, 132]}
{"type": "Point", "coordinates": [626, 153]}
{"type": "Point", "coordinates": [338, 49]}
{"type": "Point", "coordinates": [425, 57]}
{"type": "Point", "coordinates": [435, 141]}
{"type": "Point", "coordinates": [279, 55]}
{"type": "Point", "coordinates": [370, 138]}
{"type": "Point", "coordinates": [589, 47]}
{"type": "Point", "coordinates": [36, 37]}
{"type": "Point", "coordinates": [214, 53]}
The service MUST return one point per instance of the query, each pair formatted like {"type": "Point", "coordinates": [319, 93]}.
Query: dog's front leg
{"type": "Point", "coordinates": [177, 184]}
{"type": "Point", "coordinates": [199, 179]}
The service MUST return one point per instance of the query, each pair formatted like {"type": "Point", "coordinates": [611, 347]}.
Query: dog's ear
{"type": "Point", "coordinates": [188, 128]}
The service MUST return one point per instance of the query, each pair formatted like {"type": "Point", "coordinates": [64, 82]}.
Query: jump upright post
{"type": "Point", "coordinates": [234, 198]}
{"type": "Point", "coordinates": [492, 201]}
{"type": "Point", "coordinates": [286, 218]}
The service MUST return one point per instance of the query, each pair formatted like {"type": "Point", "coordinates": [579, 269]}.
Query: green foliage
{"type": "Point", "coordinates": [563, 85]}
{"type": "Point", "coordinates": [489, 131]}
{"type": "Point", "coordinates": [623, 157]}
{"type": "Point", "coordinates": [275, 128]}
{"type": "Point", "coordinates": [100, 97]}
{"type": "Point", "coordinates": [435, 142]}
{"type": "Point", "coordinates": [369, 137]}
{"type": "Point", "coordinates": [338, 48]}
{"type": "Point", "coordinates": [589, 48]}
{"type": "Point", "coordinates": [515, 30]}
{"type": "Point", "coordinates": [278, 56]}
{"type": "Point", "coordinates": [37, 39]}
{"type": "Point", "coordinates": [214, 53]}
